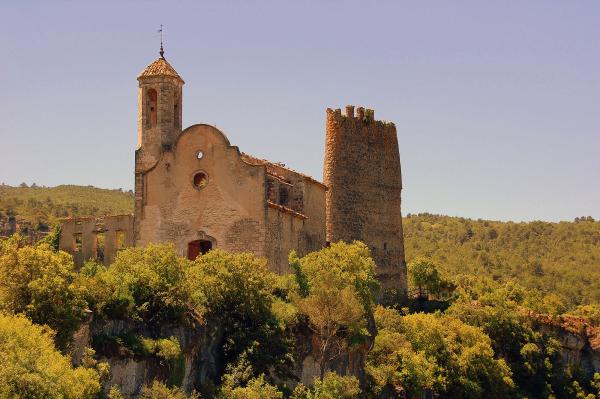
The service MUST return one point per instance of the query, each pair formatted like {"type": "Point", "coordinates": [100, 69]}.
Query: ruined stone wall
{"type": "Point", "coordinates": [228, 210]}
{"type": "Point", "coordinates": [284, 233]}
{"type": "Point", "coordinates": [79, 237]}
{"type": "Point", "coordinates": [362, 171]}
{"type": "Point", "coordinates": [295, 215]}
{"type": "Point", "coordinates": [10, 225]}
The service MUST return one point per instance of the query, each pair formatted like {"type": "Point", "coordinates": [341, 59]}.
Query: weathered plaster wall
{"type": "Point", "coordinates": [229, 210]}
{"type": "Point", "coordinates": [362, 171]}
{"type": "Point", "coordinates": [89, 228]}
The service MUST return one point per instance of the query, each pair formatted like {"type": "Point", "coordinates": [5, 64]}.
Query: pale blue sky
{"type": "Point", "coordinates": [497, 103]}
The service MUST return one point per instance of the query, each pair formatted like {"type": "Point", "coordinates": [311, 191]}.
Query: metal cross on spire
{"type": "Point", "coordinates": [162, 51]}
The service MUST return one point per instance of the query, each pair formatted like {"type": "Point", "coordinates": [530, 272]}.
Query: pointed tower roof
{"type": "Point", "coordinates": [160, 67]}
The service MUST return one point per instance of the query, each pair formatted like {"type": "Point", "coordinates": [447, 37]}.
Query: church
{"type": "Point", "coordinates": [197, 191]}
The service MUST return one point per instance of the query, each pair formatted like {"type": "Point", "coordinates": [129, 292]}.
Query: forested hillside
{"type": "Point", "coordinates": [42, 206]}
{"type": "Point", "coordinates": [554, 258]}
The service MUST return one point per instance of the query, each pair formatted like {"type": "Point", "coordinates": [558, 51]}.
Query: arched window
{"type": "Point", "coordinates": [152, 107]}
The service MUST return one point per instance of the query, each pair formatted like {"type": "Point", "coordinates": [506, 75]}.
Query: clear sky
{"type": "Point", "coordinates": [497, 103]}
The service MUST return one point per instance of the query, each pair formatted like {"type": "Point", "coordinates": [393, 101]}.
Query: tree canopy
{"type": "Point", "coordinates": [31, 367]}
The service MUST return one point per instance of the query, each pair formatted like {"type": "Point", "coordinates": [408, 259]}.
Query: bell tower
{"type": "Point", "coordinates": [159, 108]}
{"type": "Point", "coordinates": [159, 124]}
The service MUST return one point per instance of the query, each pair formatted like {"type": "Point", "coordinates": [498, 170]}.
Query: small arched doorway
{"type": "Point", "coordinates": [198, 247]}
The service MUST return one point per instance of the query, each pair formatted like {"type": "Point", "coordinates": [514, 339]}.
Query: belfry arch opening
{"type": "Point", "coordinates": [198, 247]}
{"type": "Point", "coordinates": [152, 107]}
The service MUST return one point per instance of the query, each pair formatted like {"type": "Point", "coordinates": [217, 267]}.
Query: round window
{"type": "Point", "coordinates": [200, 180]}
{"type": "Point", "coordinates": [200, 155]}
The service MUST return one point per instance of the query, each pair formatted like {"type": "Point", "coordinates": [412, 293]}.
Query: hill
{"type": "Point", "coordinates": [554, 258]}
{"type": "Point", "coordinates": [40, 207]}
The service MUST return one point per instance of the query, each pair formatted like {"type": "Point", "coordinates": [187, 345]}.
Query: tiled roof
{"type": "Point", "coordinates": [285, 209]}
{"type": "Point", "coordinates": [272, 167]}
{"type": "Point", "coordinates": [160, 67]}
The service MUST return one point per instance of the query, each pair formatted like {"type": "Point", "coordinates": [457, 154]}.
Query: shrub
{"type": "Point", "coordinates": [32, 367]}
{"type": "Point", "coordinates": [41, 284]}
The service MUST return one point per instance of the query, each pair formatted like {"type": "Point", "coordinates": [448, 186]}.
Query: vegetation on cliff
{"type": "Point", "coordinates": [481, 345]}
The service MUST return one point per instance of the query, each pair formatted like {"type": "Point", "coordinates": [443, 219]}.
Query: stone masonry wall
{"type": "Point", "coordinates": [362, 171]}
{"type": "Point", "coordinates": [79, 237]}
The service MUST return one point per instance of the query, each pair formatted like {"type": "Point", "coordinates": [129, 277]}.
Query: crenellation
{"type": "Point", "coordinates": [350, 111]}
{"type": "Point", "coordinates": [360, 113]}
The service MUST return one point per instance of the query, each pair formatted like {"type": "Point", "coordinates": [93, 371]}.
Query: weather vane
{"type": "Point", "coordinates": [162, 52]}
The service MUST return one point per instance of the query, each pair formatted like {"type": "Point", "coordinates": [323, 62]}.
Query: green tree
{"type": "Point", "coordinates": [393, 364]}
{"type": "Point", "coordinates": [425, 276]}
{"type": "Point", "coordinates": [335, 293]}
{"type": "Point", "coordinates": [236, 293]}
{"type": "Point", "coordinates": [158, 390]}
{"type": "Point", "coordinates": [143, 284]}
{"type": "Point", "coordinates": [32, 367]}
{"type": "Point", "coordinates": [41, 284]}
{"type": "Point", "coordinates": [534, 357]}
{"type": "Point", "coordinates": [462, 363]}
{"type": "Point", "coordinates": [255, 388]}
{"type": "Point", "coordinates": [52, 239]}
{"type": "Point", "coordinates": [331, 386]}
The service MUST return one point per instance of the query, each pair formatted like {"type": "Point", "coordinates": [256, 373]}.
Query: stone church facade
{"type": "Point", "coordinates": [197, 191]}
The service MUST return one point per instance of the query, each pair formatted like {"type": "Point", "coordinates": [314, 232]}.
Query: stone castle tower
{"type": "Point", "coordinates": [362, 171]}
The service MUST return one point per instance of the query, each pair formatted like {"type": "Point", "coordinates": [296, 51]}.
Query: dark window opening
{"type": "Point", "coordinates": [152, 99]}
{"type": "Point", "coordinates": [120, 239]}
{"type": "Point", "coordinates": [283, 196]}
{"type": "Point", "coordinates": [384, 246]}
{"type": "Point", "coordinates": [100, 247]}
{"type": "Point", "coordinates": [78, 241]}
{"type": "Point", "coordinates": [198, 247]}
{"type": "Point", "coordinates": [176, 112]}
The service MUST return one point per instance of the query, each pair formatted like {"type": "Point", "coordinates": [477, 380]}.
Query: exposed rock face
{"type": "Point", "coordinates": [130, 371]}
{"type": "Point", "coordinates": [580, 341]}
{"type": "Point", "coordinates": [200, 363]}
{"type": "Point", "coordinates": [350, 361]}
